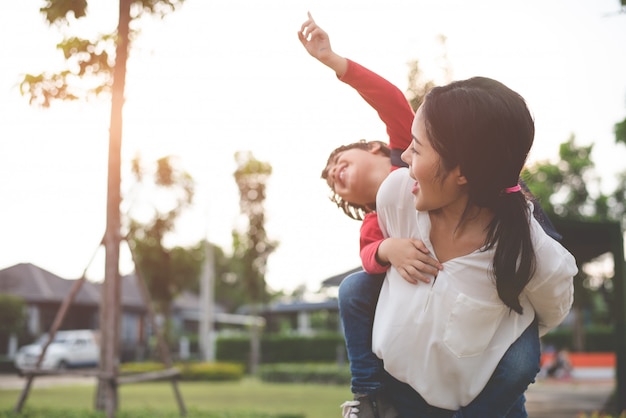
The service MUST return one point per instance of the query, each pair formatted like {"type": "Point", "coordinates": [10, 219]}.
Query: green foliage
{"type": "Point", "coordinates": [419, 85]}
{"type": "Point", "coordinates": [90, 62]}
{"type": "Point", "coordinates": [563, 188]}
{"type": "Point", "coordinates": [620, 132]}
{"type": "Point", "coordinates": [192, 371]}
{"type": "Point", "coordinates": [597, 338]}
{"type": "Point", "coordinates": [206, 371]}
{"type": "Point", "coordinates": [282, 349]}
{"type": "Point", "coordinates": [57, 11]}
{"type": "Point", "coordinates": [305, 373]}
{"type": "Point", "coordinates": [89, 72]}
{"type": "Point", "coordinates": [12, 314]}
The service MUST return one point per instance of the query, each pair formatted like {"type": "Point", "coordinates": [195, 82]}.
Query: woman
{"type": "Point", "coordinates": [442, 342]}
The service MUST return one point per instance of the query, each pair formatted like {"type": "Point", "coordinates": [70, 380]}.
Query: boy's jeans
{"type": "Point", "coordinates": [502, 397]}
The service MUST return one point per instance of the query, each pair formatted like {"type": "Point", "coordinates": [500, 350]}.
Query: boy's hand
{"type": "Point", "coordinates": [315, 40]}
{"type": "Point", "coordinates": [317, 44]}
{"type": "Point", "coordinates": [411, 258]}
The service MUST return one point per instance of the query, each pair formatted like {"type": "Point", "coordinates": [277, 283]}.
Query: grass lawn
{"type": "Point", "coordinates": [247, 396]}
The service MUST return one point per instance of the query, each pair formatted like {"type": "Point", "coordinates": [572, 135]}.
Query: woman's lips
{"type": "Point", "coordinates": [416, 187]}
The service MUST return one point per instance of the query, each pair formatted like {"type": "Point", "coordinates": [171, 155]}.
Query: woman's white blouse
{"type": "Point", "coordinates": [446, 338]}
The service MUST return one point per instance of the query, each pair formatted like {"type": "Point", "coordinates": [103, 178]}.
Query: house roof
{"type": "Point", "coordinates": [35, 284]}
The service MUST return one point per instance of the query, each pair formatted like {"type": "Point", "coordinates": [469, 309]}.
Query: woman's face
{"type": "Point", "coordinates": [431, 191]}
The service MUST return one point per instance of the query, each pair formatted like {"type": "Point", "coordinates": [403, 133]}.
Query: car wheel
{"type": "Point", "coordinates": [62, 365]}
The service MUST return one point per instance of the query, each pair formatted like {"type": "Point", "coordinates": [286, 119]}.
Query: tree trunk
{"type": "Point", "coordinates": [106, 394]}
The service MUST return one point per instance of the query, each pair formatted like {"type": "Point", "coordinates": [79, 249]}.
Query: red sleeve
{"type": "Point", "coordinates": [390, 103]}
{"type": "Point", "coordinates": [371, 237]}
{"type": "Point", "coordinates": [397, 115]}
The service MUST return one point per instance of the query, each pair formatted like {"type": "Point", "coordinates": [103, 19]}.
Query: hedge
{"type": "Point", "coordinates": [305, 373]}
{"type": "Point", "coordinates": [205, 371]}
{"type": "Point", "coordinates": [284, 349]}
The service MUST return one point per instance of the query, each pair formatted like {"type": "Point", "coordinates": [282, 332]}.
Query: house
{"type": "Point", "coordinates": [44, 293]}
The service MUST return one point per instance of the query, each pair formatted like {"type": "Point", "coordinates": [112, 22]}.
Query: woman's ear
{"type": "Point", "coordinates": [460, 178]}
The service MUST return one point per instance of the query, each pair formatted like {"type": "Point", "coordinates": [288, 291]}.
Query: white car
{"type": "Point", "coordinates": [69, 349]}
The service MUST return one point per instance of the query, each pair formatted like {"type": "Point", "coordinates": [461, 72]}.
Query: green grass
{"type": "Point", "coordinates": [249, 396]}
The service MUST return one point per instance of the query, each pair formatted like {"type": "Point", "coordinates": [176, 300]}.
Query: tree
{"type": "Point", "coordinates": [95, 67]}
{"type": "Point", "coordinates": [563, 188]}
{"type": "Point", "coordinates": [251, 245]}
{"type": "Point", "coordinates": [12, 314]}
{"type": "Point", "coordinates": [167, 270]}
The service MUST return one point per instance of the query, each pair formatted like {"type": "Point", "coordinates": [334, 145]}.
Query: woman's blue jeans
{"type": "Point", "coordinates": [503, 396]}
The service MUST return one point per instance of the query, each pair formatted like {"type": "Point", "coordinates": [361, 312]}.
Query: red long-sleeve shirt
{"type": "Point", "coordinates": [397, 115]}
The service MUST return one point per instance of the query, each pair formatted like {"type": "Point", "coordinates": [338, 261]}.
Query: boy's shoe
{"type": "Point", "coordinates": [375, 405]}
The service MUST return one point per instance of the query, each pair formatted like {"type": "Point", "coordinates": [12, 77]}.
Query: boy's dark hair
{"type": "Point", "coordinates": [354, 211]}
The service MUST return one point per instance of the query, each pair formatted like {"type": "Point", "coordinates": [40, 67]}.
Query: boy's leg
{"type": "Point", "coordinates": [503, 396]}
{"type": "Point", "coordinates": [410, 404]}
{"type": "Point", "coordinates": [358, 295]}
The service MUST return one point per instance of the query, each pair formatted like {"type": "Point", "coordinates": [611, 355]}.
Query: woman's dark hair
{"type": "Point", "coordinates": [353, 210]}
{"type": "Point", "coordinates": [486, 129]}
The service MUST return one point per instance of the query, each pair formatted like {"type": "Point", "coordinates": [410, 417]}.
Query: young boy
{"type": "Point", "coordinates": [354, 173]}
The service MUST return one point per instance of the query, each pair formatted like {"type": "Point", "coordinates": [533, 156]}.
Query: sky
{"type": "Point", "coordinates": [222, 76]}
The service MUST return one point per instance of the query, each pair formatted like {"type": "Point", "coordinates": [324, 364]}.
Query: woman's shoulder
{"type": "Point", "coordinates": [551, 256]}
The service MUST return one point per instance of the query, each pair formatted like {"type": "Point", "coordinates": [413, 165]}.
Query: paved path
{"type": "Point", "coordinates": [550, 398]}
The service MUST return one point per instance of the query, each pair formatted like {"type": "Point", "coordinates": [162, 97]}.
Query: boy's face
{"type": "Point", "coordinates": [356, 174]}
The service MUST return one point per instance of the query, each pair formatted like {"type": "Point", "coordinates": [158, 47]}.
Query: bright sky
{"type": "Point", "coordinates": [222, 76]}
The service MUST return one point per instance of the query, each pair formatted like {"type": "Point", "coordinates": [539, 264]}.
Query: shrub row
{"type": "Point", "coordinates": [205, 371]}
{"type": "Point", "coordinates": [305, 373]}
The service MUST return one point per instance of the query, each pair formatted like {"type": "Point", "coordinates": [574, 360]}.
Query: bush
{"type": "Point", "coordinates": [305, 373]}
{"type": "Point", "coordinates": [203, 371]}
{"type": "Point", "coordinates": [212, 371]}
